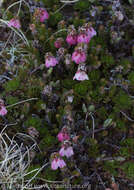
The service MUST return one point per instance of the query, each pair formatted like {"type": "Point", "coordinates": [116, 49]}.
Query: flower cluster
{"type": "Point", "coordinates": [66, 149]}
{"type": "Point", "coordinates": [80, 40]}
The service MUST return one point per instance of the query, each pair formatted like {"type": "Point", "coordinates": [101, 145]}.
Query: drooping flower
{"type": "Point", "coordinates": [66, 151]}
{"type": "Point", "coordinates": [50, 60]}
{"type": "Point", "coordinates": [71, 39]}
{"type": "Point", "coordinates": [80, 75]}
{"type": "Point", "coordinates": [57, 161]}
{"type": "Point", "coordinates": [3, 110]}
{"type": "Point", "coordinates": [79, 56]}
{"type": "Point", "coordinates": [83, 38]}
{"type": "Point", "coordinates": [14, 23]}
{"type": "Point", "coordinates": [43, 15]}
{"type": "Point", "coordinates": [63, 134]}
{"type": "Point", "coordinates": [72, 36]}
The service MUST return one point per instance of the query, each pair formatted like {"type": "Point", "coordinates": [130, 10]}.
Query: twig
{"type": "Point", "coordinates": [126, 116]}
{"type": "Point", "coordinates": [21, 102]}
{"type": "Point", "coordinates": [93, 125]}
{"type": "Point", "coordinates": [67, 1]}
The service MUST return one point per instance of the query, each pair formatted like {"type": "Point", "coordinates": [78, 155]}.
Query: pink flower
{"type": "Point", "coordinates": [83, 38]}
{"type": "Point", "coordinates": [91, 32]}
{"type": "Point", "coordinates": [71, 39]}
{"type": "Point", "coordinates": [79, 56]}
{"type": "Point", "coordinates": [3, 110]}
{"type": "Point", "coordinates": [14, 23]}
{"type": "Point", "coordinates": [68, 152]}
{"type": "Point", "coordinates": [50, 61]}
{"type": "Point", "coordinates": [62, 136]}
{"type": "Point", "coordinates": [43, 14]}
{"type": "Point", "coordinates": [81, 75]}
{"type": "Point", "coordinates": [57, 162]}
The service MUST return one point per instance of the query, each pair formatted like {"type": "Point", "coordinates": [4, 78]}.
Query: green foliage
{"type": "Point", "coordinates": [102, 113]}
{"type": "Point", "coordinates": [120, 125]}
{"type": "Point", "coordinates": [82, 88]}
{"type": "Point", "coordinates": [47, 141]}
{"type": "Point", "coordinates": [50, 3]}
{"type": "Point", "coordinates": [11, 100]}
{"type": "Point", "coordinates": [12, 85]}
{"type": "Point", "coordinates": [129, 142]}
{"type": "Point", "coordinates": [50, 174]}
{"type": "Point", "coordinates": [68, 83]}
{"type": "Point", "coordinates": [93, 150]}
{"type": "Point", "coordinates": [82, 5]}
{"type": "Point", "coordinates": [131, 77]}
{"type": "Point", "coordinates": [125, 152]}
{"type": "Point", "coordinates": [94, 76]}
{"type": "Point", "coordinates": [122, 100]}
{"type": "Point", "coordinates": [107, 60]}
{"type": "Point", "coordinates": [112, 167]}
{"type": "Point", "coordinates": [55, 18]}
{"type": "Point", "coordinates": [128, 168]}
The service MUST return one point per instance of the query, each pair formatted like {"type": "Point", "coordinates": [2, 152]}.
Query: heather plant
{"type": "Point", "coordinates": [66, 79]}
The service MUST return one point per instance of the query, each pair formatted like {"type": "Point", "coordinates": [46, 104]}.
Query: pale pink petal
{"type": "Point", "coordinates": [54, 164]}
{"type": "Point", "coordinates": [3, 111]}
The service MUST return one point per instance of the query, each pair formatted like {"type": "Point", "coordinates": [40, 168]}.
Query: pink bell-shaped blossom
{"type": "Point", "coordinates": [83, 38]}
{"type": "Point", "coordinates": [14, 23]}
{"type": "Point", "coordinates": [57, 162]}
{"type": "Point", "coordinates": [68, 152]}
{"type": "Point", "coordinates": [50, 61]}
{"type": "Point", "coordinates": [43, 14]}
{"type": "Point", "coordinates": [79, 56]}
{"type": "Point", "coordinates": [71, 39]}
{"type": "Point", "coordinates": [63, 136]}
{"type": "Point", "coordinates": [81, 75]}
{"type": "Point", "coordinates": [3, 110]}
